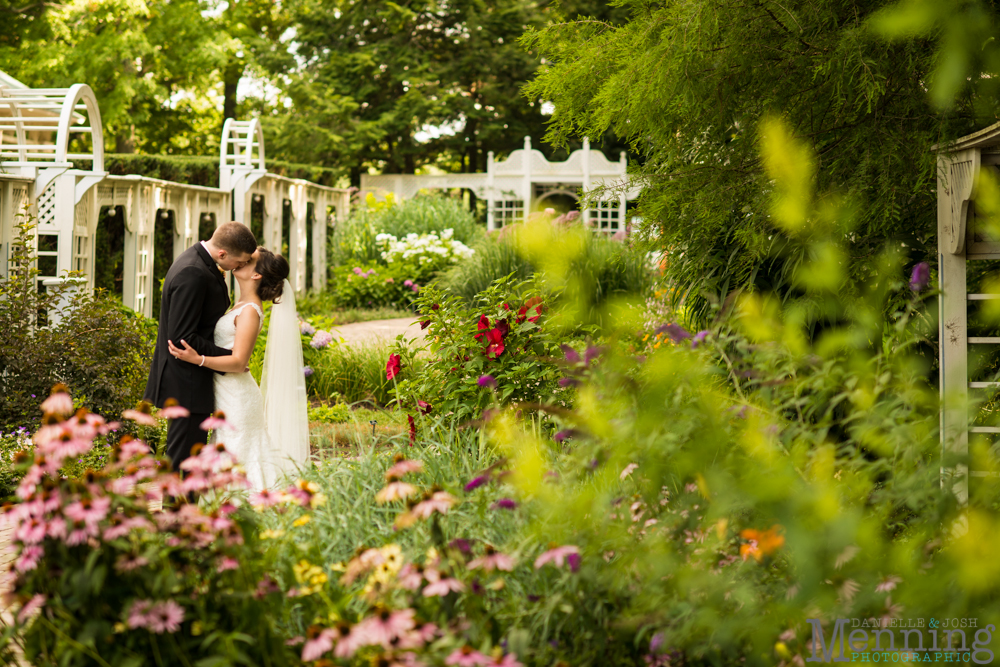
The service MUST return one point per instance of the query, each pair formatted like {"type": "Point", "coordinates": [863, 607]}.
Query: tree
{"type": "Point", "coordinates": [686, 84]}
{"type": "Point", "coordinates": [372, 76]}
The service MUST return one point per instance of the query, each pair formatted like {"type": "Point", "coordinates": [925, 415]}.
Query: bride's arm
{"type": "Point", "coordinates": [247, 326]}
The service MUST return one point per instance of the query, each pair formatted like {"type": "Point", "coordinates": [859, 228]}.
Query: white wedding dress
{"type": "Point", "coordinates": [239, 397]}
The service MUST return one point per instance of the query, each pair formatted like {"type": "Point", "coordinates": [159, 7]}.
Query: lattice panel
{"type": "Point", "coordinates": [507, 212]}
{"type": "Point", "coordinates": [19, 197]}
{"type": "Point", "coordinates": [604, 217]}
{"type": "Point", "coordinates": [81, 253]}
{"type": "Point", "coordinates": [105, 195]}
{"type": "Point", "coordinates": [142, 272]}
{"type": "Point", "coordinates": [47, 207]}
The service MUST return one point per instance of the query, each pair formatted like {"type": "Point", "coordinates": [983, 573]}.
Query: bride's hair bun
{"type": "Point", "coordinates": [273, 270]}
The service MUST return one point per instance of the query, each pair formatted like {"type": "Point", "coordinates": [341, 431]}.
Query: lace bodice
{"type": "Point", "coordinates": [225, 328]}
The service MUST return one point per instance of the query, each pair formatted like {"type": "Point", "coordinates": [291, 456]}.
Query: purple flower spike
{"type": "Point", "coordinates": [676, 332]}
{"type": "Point", "coordinates": [699, 338]}
{"type": "Point", "coordinates": [572, 356]}
{"type": "Point", "coordinates": [656, 643]}
{"type": "Point", "coordinates": [462, 545]}
{"type": "Point", "coordinates": [920, 277]}
{"type": "Point", "coordinates": [477, 482]}
{"type": "Point", "coordinates": [487, 381]}
{"type": "Point", "coordinates": [591, 353]}
{"type": "Point", "coordinates": [504, 504]}
{"type": "Point", "coordinates": [307, 371]}
{"type": "Point", "coordinates": [568, 382]}
{"type": "Point", "coordinates": [562, 435]}
{"type": "Point", "coordinates": [574, 561]}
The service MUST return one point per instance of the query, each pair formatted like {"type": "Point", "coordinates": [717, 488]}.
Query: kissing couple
{"type": "Point", "coordinates": [203, 350]}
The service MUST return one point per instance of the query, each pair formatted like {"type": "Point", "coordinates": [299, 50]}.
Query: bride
{"type": "Point", "coordinates": [267, 428]}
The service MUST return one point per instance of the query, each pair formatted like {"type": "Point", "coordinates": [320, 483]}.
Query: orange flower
{"type": "Point", "coordinates": [761, 543]}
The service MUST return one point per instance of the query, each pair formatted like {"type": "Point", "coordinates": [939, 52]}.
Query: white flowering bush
{"type": "Point", "coordinates": [429, 253]}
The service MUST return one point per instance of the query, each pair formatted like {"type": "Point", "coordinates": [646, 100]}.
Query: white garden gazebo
{"type": "Point", "coordinates": [963, 237]}
{"type": "Point", "coordinates": [42, 132]}
{"type": "Point", "coordinates": [522, 183]}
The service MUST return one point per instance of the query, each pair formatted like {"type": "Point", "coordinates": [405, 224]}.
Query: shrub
{"type": "Point", "coordinates": [374, 286]}
{"type": "Point", "coordinates": [354, 241]}
{"type": "Point", "coordinates": [498, 347]}
{"type": "Point", "coordinates": [89, 342]}
{"type": "Point", "coordinates": [601, 268]}
{"type": "Point", "coordinates": [338, 413]}
{"type": "Point", "coordinates": [102, 579]}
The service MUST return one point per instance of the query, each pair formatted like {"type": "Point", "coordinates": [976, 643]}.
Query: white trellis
{"type": "Point", "coordinates": [42, 131]}
{"type": "Point", "coordinates": [962, 238]}
{"type": "Point", "coordinates": [522, 183]}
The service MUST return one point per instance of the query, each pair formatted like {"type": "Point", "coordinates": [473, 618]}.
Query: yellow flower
{"type": "Point", "coordinates": [393, 557]}
{"type": "Point", "coordinates": [338, 567]}
{"type": "Point", "coordinates": [196, 628]}
{"type": "Point", "coordinates": [432, 554]}
{"type": "Point", "coordinates": [271, 534]}
{"type": "Point", "coordinates": [119, 628]}
{"type": "Point", "coordinates": [302, 520]}
{"type": "Point", "coordinates": [317, 500]}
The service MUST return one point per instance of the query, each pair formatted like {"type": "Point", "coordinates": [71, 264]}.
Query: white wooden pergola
{"type": "Point", "coordinates": [40, 129]}
{"type": "Point", "coordinates": [519, 185]}
{"type": "Point", "coordinates": [962, 238]}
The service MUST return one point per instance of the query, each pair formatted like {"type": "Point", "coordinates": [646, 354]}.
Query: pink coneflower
{"type": "Point", "coordinates": [126, 563]}
{"type": "Point", "coordinates": [31, 531]}
{"type": "Point", "coordinates": [137, 614]}
{"type": "Point", "coordinates": [125, 527]}
{"type": "Point", "coordinates": [56, 528]}
{"type": "Point", "coordinates": [88, 510]}
{"type": "Point", "coordinates": [395, 491]}
{"type": "Point", "coordinates": [492, 560]}
{"type": "Point", "coordinates": [403, 467]}
{"type": "Point", "coordinates": [888, 584]}
{"type": "Point", "coordinates": [216, 421]}
{"type": "Point", "coordinates": [28, 560]}
{"type": "Point", "coordinates": [173, 412]}
{"type": "Point", "coordinates": [264, 498]}
{"type": "Point", "coordinates": [466, 657]}
{"type": "Point", "coordinates": [557, 556]}
{"type": "Point", "coordinates": [385, 626]}
{"type": "Point", "coordinates": [81, 535]}
{"type": "Point", "coordinates": [442, 586]}
{"type": "Point", "coordinates": [318, 642]}
{"type": "Point", "coordinates": [165, 616]}
{"type": "Point", "coordinates": [140, 417]}
{"type": "Point", "coordinates": [132, 448]}
{"type": "Point", "coordinates": [410, 577]}
{"type": "Point", "coordinates": [30, 607]}
{"type": "Point", "coordinates": [227, 563]}
{"type": "Point", "coordinates": [440, 502]}
{"type": "Point", "coordinates": [59, 403]}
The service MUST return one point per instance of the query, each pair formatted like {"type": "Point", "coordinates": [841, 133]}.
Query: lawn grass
{"type": "Point", "coordinates": [339, 440]}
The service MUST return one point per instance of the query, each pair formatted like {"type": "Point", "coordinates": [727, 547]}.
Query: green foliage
{"type": "Point", "coordinates": [862, 100]}
{"type": "Point", "coordinates": [541, 615]}
{"type": "Point", "coordinates": [374, 285]}
{"type": "Point", "coordinates": [600, 271]}
{"type": "Point", "coordinates": [354, 372]}
{"type": "Point", "coordinates": [319, 306]}
{"type": "Point", "coordinates": [354, 240]}
{"type": "Point", "coordinates": [92, 343]}
{"type": "Point", "coordinates": [338, 413]}
{"type": "Point", "coordinates": [12, 442]}
{"type": "Point", "coordinates": [503, 335]}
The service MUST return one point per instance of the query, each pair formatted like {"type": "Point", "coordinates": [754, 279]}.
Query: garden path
{"type": "Point", "coordinates": [383, 331]}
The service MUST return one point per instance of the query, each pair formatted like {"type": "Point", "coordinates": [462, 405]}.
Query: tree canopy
{"type": "Point", "coordinates": [687, 85]}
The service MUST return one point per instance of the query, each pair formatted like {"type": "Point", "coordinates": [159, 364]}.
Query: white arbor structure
{"type": "Point", "coordinates": [42, 131]}
{"type": "Point", "coordinates": [522, 183]}
{"type": "Point", "coordinates": [963, 237]}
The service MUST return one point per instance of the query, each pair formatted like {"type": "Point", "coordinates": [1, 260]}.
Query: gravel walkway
{"type": "Point", "coordinates": [378, 331]}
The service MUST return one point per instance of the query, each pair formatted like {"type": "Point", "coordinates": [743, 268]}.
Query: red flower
{"type": "Point", "coordinates": [503, 328]}
{"type": "Point", "coordinates": [393, 366]}
{"type": "Point", "coordinates": [424, 407]}
{"type": "Point", "coordinates": [413, 429]}
{"type": "Point", "coordinates": [534, 302]}
{"type": "Point", "coordinates": [495, 340]}
{"type": "Point", "coordinates": [425, 324]}
{"type": "Point", "coordinates": [483, 325]}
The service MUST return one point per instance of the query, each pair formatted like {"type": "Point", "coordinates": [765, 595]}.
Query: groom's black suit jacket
{"type": "Point", "coordinates": [194, 298]}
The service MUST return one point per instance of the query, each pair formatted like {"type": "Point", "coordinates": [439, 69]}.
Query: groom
{"type": "Point", "coordinates": [194, 297]}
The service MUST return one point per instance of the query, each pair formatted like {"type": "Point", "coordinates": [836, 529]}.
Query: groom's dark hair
{"type": "Point", "coordinates": [234, 237]}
